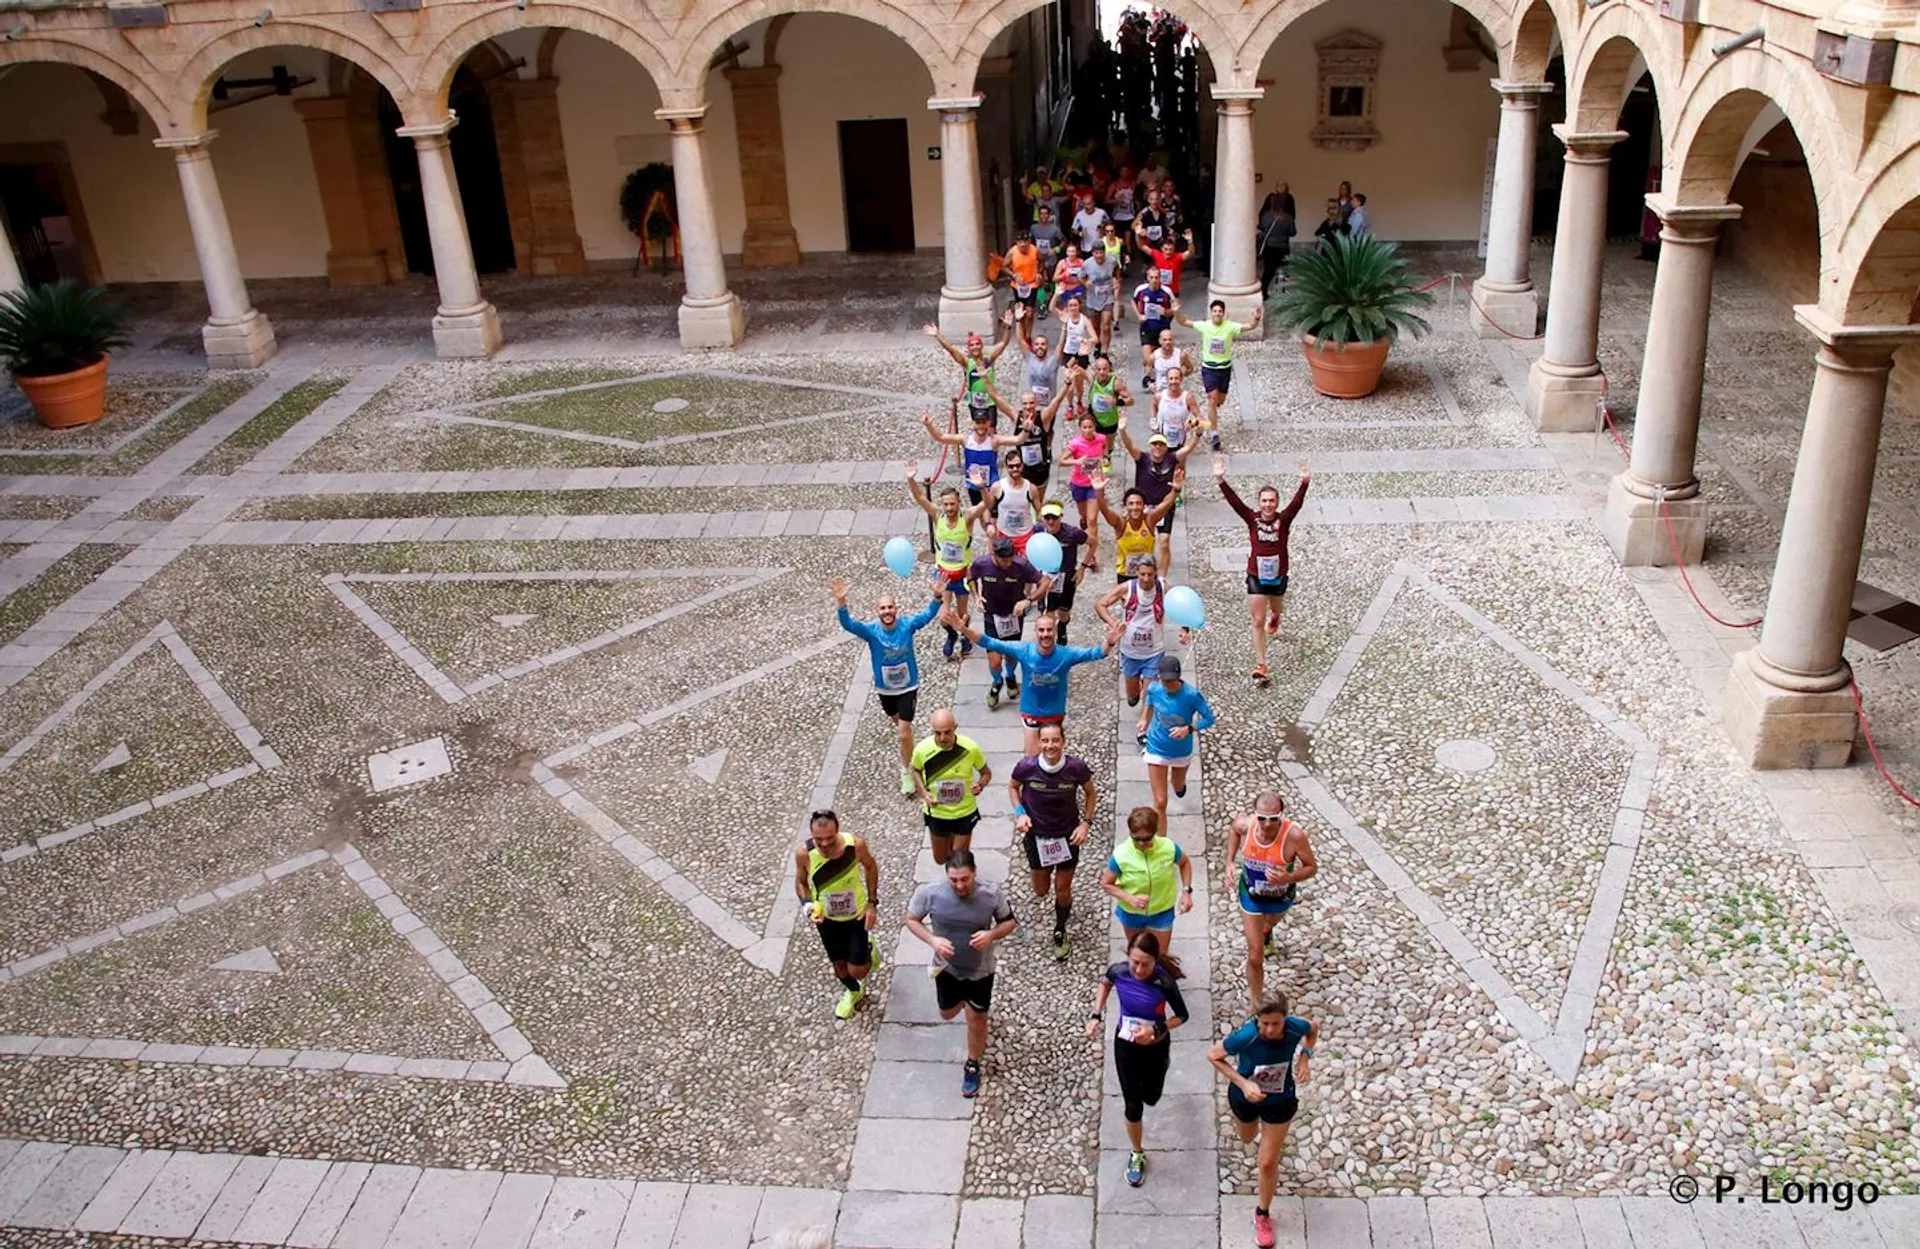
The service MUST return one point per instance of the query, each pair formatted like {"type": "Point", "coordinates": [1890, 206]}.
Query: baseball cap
{"type": "Point", "coordinates": [1169, 667]}
{"type": "Point", "coordinates": [1160, 438]}
{"type": "Point", "coordinates": [1053, 509]}
{"type": "Point", "coordinates": [1003, 546]}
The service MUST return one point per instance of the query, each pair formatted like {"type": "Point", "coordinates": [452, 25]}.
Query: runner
{"type": "Point", "coordinates": [1262, 1090]}
{"type": "Point", "coordinates": [1217, 337]}
{"type": "Point", "coordinates": [1013, 501]}
{"type": "Point", "coordinates": [1170, 258]}
{"type": "Point", "coordinates": [1059, 600]}
{"type": "Point", "coordinates": [1176, 411]}
{"type": "Point", "coordinates": [1053, 805]}
{"type": "Point", "coordinates": [1267, 532]}
{"type": "Point", "coordinates": [1167, 356]}
{"type": "Point", "coordinates": [1133, 529]}
{"type": "Point", "coordinates": [1153, 473]}
{"type": "Point", "coordinates": [1150, 1009]}
{"type": "Point", "coordinates": [1078, 338]}
{"type": "Point", "coordinates": [1114, 242]}
{"type": "Point", "coordinates": [952, 547]}
{"type": "Point", "coordinates": [1155, 305]}
{"type": "Point", "coordinates": [1089, 223]}
{"type": "Point", "coordinates": [1143, 621]}
{"type": "Point", "coordinates": [838, 881]}
{"type": "Point", "coordinates": [961, 918]}
{"type": "Point", "coordinates": [1270, 858]}
{"type": "Point", "coordinates": [1122, 197]}
{"type": "Point", "coordinates": [896, 674]}
{"type": "Point", "coordinates": [1048, 241]}
{"type": "Point", "coordinates": [1103, 292]}
{"type": "Point", "coordinates": [1069, 278]}
{"type": "Point", "coordinates": [1140, 875]}
{"type": "Point", "coordinates": [1044, 665]}
{"type": "Point", "coordinates": [976, 365]}
{"type": "Point", "coordinates": [1088, 451]}
{"type": "Point", "coordinates": [980, 447]}
{"type": "Point", "coordinates": [1173, 712]}
{"type": "Point", "coordinates": [1151, 226]}
{"type": "Point", "coordinates": [1042, 368]}
{"type": "Point", "coordinates": [1107, 394]}
{"type": "Point", "coordinates": [1023, 281]}
{"type": "Point", "coordinates": [949, 771]}
{"type": "Point", "coordinates": [1035, 428]}
{"type": "Point", "coordinates": [1009, 588]}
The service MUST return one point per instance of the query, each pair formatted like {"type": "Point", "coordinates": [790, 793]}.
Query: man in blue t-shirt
{"type": "Point", "coordinates": [1009, 587]}
{"type": "Point", "coordinates": [1043, 664]}
{"type": "Point", "coordinates": [896, 674]}
{"type": "Point", "coordinates": [1270, 1053]}
{"type": "Point", "coordinates": [1155, 305]}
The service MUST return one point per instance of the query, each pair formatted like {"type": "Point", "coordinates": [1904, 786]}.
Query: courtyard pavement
{"type": "Point", "coordinates": [403, 762]}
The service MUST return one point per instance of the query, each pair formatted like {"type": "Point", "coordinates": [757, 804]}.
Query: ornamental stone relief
{"type": "Point", "coordinates": [1349, 70]}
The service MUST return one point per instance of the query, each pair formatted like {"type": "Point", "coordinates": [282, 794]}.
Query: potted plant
{"type": "Point", "coordinates": [646, 207]}
{"type": "Point", "coordinates": [54, 339]}
{"type": "Point", "coordinates": [1350, 298]}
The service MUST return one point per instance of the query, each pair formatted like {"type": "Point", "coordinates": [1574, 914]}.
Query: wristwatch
{"type": "Point", "coordinates": [1186, 889]}
{"type": "Point", "coordinates": [1306, 1051]}
{"type": "Point", "coordinates": [1095, 1016]}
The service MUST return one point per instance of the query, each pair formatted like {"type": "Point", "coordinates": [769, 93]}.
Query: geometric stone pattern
{"type": "Point", "coordinates": [264, 757]}
{"type": "Point", "coordinates": [1563, 1042]}
{"type": "Point", "coordinates": [408, 765]}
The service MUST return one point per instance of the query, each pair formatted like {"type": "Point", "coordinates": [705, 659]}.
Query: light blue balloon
{"type": "Point", "coordinates": [899, 557]}
{"type": "Point", "coordinates": [1044, 553]}
{"type": "Point", "coordinates": [1185, 608]}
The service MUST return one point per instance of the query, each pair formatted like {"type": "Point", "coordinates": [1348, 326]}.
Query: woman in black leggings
{"type": "Point", "coordinates": [1150, 1009]}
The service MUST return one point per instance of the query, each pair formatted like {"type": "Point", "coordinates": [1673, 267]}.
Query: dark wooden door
{"type": "Point", "coordinates": [476, 167]}
{"type": "Point", "coordinates": [877, 174]}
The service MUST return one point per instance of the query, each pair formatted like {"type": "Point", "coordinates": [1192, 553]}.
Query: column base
{"type": "Point", "coordinates": [770, 247]}
{"type": "Point", "coordinates": [245, 344]}
{"type": "Point", "coordinates": [1775, 727]}
{"type": "Point", "coordinates": [362, 268]}
{"type": "Point", "coordinates": [1638, 535]}
{"type": "Point", "coordinates": [968, 312]}
{"type": "Point", "coordinates": [712, 323]}
{"type": "Point", "coordinates": [1240, 301]}
{"type": "Point", "coordinates": [1504, 313]}
{"type": "Point", "coordinates": [470, 335]}
{"type": "Point", "coordinates": [1563, 403]}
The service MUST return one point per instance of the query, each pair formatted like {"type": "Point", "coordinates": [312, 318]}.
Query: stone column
{"type": "Point", "coordinates": [10, 279]}
{"type": "Point", "coordinates": [966, 301]}
{"type": "Point", "coordinates": [1233, 264]}
{"type": "Point", "coordinates": [1666, 425]}
{"type": "Point", "coordinates": [770, 239]}
{"type": "Point", "coordinates": [1787, 703]}
{"type": "Point", "coordinates": [466, 325]}
{"type": "Point", "coordinates": [353, 256]}
{"type": "Point", "coordinates": [1504, 298]}
{"type": "Point", "coordinates": [236, 336]}
{"type": "Point", "coordinates": [709, 312]}
{"type": "Point", "coordinates": [1565, 381]}
{"type": "Point", "coordinates": [554, 245]}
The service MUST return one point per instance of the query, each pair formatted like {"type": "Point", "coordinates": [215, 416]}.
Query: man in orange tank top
{"type": "Point", "coordinates": [1270, 858]}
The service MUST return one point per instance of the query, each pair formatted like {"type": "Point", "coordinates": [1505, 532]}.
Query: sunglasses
{"type": "Point", "coordinates": [1268, 819]}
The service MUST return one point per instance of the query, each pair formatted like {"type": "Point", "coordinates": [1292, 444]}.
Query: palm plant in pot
{"type": "Point", "coordinates": [54, 340]}
{"type": "Point", "coordinates": [1350, 298]}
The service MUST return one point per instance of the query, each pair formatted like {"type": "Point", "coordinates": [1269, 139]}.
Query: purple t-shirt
{"type": "Point", "coordinates": [1157, 997]}
{"type": "Point", "coordinates": [1001, 589]}
{"type": "Point", "coordinates": [1052, 799]}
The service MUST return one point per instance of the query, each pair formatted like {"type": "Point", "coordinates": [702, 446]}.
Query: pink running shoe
{"type": "Point", "coordinates": [1263, 1231]}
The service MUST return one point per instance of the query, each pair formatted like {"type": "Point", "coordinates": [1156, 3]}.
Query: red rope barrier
{"type": "Point", "coordinates": [1860, 712]}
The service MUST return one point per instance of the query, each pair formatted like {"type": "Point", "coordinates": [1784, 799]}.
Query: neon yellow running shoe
{"type": "Point", "coordinates": [849, 1002]}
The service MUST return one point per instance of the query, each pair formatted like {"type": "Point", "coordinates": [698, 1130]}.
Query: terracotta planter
{"type": "Point", "coordinates": [1345, 370]}
{"type": "Point", "coordinates": [64, 400]}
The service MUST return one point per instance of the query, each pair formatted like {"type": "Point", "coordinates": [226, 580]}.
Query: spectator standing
{"type": "Point", "coordinates": [1359, 224]}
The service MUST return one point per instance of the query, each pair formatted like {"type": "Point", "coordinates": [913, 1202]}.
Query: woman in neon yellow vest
{"type": "Point", "coordinates": [1149, 877]}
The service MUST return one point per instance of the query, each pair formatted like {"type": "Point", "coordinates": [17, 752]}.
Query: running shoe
{"type": "Point", "coordinates": [1060, 944]}
{"type": "Point", "coordinates": [1136, 1168]}
{"type": "Point", "coordinates": [906, 782]}
{"type": "Point", "coordinates": [970, 1079]}
{"type": "Point", "coordinates": [1140, 739]}
{"type": "Point", "coordinates": [1216, 440]}
{"type": "Point", "coordinates": [1146, 381]}
{"type": "Point", "coordinates": [993, 695]}
{"type": "Point", "coordinates": [1013, 684]}
{"type": "Point", "coordinates": [966, 650]}
{"type": "Point", "coordinates": [1263, 1230]}
{"type": "Point", "coordinates": [946, 648]}
{"type": "Point", "coordinates": [849, 1002]}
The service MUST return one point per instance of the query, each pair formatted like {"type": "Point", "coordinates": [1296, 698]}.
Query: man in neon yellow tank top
{"type": "Point", "coordinates": [1217, 335]}
{"type": "Point", "coordinates": [838, 881]}
{"type": "Point", "coordinates": [952, 550]}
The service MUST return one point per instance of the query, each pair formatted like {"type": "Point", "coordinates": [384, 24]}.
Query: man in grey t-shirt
{"type": "Point", "coordinates": [962, 919]}
{"type": "Point", "coordinates": [1101, 291]}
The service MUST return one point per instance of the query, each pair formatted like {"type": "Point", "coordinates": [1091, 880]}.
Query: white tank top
{"type": "Point", "coordinates": [1145, 635]}
{"type": "Point", "coordinates": [1164, 364]}
{"type": "Point", "coordinates": [1170, 418]}
{"type": "Point", "coordinates": [1079, 335]}
{"type": "Point", "coordinates": [1014, 516]}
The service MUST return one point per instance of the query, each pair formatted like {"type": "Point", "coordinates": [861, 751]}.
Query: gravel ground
{"type": "Point", "coordinates": [154, 436]}
{"type": "Point", "coordinates": [35, 507]}
{"type": "Point", "coordinates": [66, 577]}
{"type": "Point", "coordinates": [675, 500]}
{"type": "Point", "coordinates": [280, 415]}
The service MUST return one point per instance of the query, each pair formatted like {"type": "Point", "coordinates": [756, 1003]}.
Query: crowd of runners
{"type": "Point", "coordinates": [989, 597]}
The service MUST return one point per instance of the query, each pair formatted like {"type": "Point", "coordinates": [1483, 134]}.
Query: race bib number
{"type": "Point", "coordinates": [977, 474]}
{"type": "Point", "coordinates": [1259, 885]}
{"type": "Point", "coordinates": [1022, 289]}
{"type": "Point", "coordinates": [1166, 275]}
{"type": "Point", "coordinates": [1266, 567]}
{"type": "Point", "coordinates": [1006, 626]}
{"type": "Point", "coordinates": [1053, 851]}
{"type": "Point", "coordinates": [1217, 346]}
{"type": "Point", "coordinates": [1103, 404]}
{"type": "Point", "coordinates": [1139, 1031]}
{"type": "Point", "coordinates": [1271, 1077]}
{"type": "Point", "coordinates": [952, 553]}
{"type": "Point", "coordinates": [947, 793]}
{"type": "Point", "coordinates": [839, 904]}
{"type": "Point", "coordinates": [1153, 232]}
{"type": "Point", "coordinates": [1142, 633]}
{"type": "Point", "coordinates": [1030, 453]}
{"type": "Point", "coordinates": [895, 676]}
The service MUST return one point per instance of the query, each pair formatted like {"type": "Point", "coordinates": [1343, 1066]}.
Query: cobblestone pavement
{"type": "Point", "coordinates": [403, 762]}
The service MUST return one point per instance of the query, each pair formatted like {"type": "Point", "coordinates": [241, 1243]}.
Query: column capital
{"type": "Point", "coordinates": [955, 104]}
{"type": "Point", "coordinates": [1690, 223]}
{"type": "Point", "coordinates": [1870, 346]}
{"type": "Point", "coordinates": [1521, 94]}
{"type": "Point", "coordinates": [185, 145]}
{"type": "Point", "coordinates": [429, 130]}
{"type": "Point", "coordinates": [1591, 146]}
{"type": "Point", "coordinates": [692, 116]}
{"type": "Point", "coordinates": [1227, 94]}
